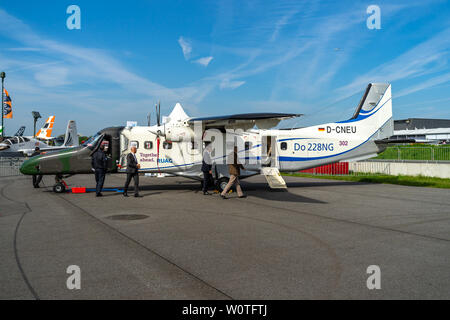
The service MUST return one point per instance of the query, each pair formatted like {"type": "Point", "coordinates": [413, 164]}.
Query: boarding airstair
{"type": "Point", "coordinates": [274, 178]}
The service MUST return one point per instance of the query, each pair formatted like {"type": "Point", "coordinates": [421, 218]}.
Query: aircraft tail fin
{"type": "Point", "coordinates": [20, 132]}
{"type": "Point", "coordinates": [374, 111]}
{"type": "Point", "coordinates": [376, 96]}
{"type": "Point", "coordinates": [71, 138]}
{"type": "Point", "coordinates": [46, 131]}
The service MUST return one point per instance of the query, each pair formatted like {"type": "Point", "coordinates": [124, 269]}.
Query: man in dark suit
{"type": "Point", "coordinates": [100, 165]}
{"type": "Point", "coordinates": [132, 173]}
{"type": "Point", "coordinates": [206, 168]}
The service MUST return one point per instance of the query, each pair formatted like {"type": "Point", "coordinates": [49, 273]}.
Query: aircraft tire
{"type": "Point", "coordinates": [222, 183]}
{"type": "Point", "coordinates": [59, 188]}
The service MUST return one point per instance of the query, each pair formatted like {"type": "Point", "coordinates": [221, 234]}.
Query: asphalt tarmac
{"type": "Point", "coordinates": [314, 241]}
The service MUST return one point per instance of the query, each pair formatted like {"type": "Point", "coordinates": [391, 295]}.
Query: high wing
{"type": "Point", "coordinates": [244, 120]}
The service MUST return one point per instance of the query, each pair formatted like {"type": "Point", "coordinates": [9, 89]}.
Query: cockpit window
{"type": "Point", "coordinates": [93, 141]}
{"type": "Point", "coordinates": [13, 140]}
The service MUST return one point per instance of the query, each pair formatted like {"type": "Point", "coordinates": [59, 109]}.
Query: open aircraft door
{"type": "Point", "coordinates": [124, 142]}
{"type": "Point", "coordinates": [269, 151]}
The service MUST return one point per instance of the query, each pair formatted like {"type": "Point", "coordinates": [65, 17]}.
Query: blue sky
{"type": "Point", "coordinates": [220, 57]}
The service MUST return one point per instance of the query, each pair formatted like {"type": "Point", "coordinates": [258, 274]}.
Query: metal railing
{"type": "Point", "coordinates": [428, 153]}
{"type": "Point", "coordinates": [10, 166]}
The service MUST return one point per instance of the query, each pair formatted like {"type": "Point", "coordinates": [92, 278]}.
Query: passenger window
{"type": "Point", "coordinates": [284, 146]}
{"type": "Point", "coordinates": [248, 145]}
{"type": "Point", "coordinates": [167, 145]}
{"type": "Point", "coordinates": [148, 145]}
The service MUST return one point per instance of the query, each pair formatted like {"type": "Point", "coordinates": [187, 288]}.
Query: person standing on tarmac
{"type": "Point", "coordinates": [37, 178]}
{"type": "Point", "coordinates": [99, 164]}
{"type": "Point", "coordinates": [132, 173]}
{"type": "Point", "coordinates": [206, 168]}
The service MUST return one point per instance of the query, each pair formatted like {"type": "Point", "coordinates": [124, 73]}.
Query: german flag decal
{"type": "Point", "coordinates": [321, 129]}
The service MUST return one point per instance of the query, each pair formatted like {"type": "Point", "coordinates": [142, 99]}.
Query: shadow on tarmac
{"type": "Point", "coordinates": [254, 189]}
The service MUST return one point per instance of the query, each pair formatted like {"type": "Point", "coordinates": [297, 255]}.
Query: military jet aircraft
{"type": "Point", "coordinates": [175, 146]}
{"type": "Point", "coordinates": [26, 145]}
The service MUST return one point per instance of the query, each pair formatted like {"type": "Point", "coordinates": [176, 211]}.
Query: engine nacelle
{"type": "Point", "coordinates": [178, 134]}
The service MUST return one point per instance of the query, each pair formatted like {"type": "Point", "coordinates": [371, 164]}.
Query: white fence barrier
{"type": "Point", "coordinates": [407, 168]}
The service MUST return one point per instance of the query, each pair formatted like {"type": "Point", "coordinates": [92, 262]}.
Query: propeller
{"type": "Point", "coordinates": [158, 113]}
{"type": "Point", "coordinates": [158, 133]}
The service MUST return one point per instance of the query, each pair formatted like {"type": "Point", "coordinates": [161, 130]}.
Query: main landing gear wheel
{"type": "Point", "coordinates": [59, 187]}
{"type": "Point", "coordinates": [222, 183]}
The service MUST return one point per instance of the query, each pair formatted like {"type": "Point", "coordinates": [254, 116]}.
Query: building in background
{"type": "Point", "coordinates": [431, 131]}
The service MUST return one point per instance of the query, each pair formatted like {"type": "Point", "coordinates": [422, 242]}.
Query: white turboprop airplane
{"type": "Point", "coordinates": [175, 147]}
{"type": "Point", "coordinates": [27, 145]}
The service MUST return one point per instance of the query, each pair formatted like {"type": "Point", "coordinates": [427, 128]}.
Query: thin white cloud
{"type": "Point", "coordinates": [98, 81]}
{"type": "Point", "coordinates": [204, 61]}
{"type": "Point", "coordinates": [283, 21]}
{"type": "Point", "coordinates": [228, 84]}
{"type": "Point", "coordinates": [25, 49]}
{"type": "Point", "coordinates": [52, 76]}
{"type": "Point", "coordinates": [424, 85]}
{"type": "Point", "coordinates": [425, 58]}
{"type": "Point", "coordinates": [88, 65]}
{"type": "Point", "coordinates": [186, 46]}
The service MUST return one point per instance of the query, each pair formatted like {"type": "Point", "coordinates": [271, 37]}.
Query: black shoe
{"type": "Point", "coordinates": [137, 196]}
{"type": "Point", "coordinates": [206, 193]}
{"type": "Point", "coordinates": [99, 195]}
{"type": "Point", "coordinates": [223, 197]}
{"type": "Point", "coordinates": [125, 195]}
{"type": "Point", "coordinates": [244, 196]}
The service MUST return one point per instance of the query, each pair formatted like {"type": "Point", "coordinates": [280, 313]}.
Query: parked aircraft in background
{"type": "Point", "coordinates": [20, 132]}
{"type": "Point", "coordinates": [46, 131]}
{"type": "Point", "coordinates": [175, 147]}
{"type": "Point", "coordinates": [27, 145]}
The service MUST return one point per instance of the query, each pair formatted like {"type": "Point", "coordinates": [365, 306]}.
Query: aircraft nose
{"type": "Point", "coordinates": [30, 167]}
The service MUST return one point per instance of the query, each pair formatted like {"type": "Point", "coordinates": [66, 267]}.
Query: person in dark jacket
{"type": "Point", "coordinates": [37, 178]}
{"type": "Point", "coordinates": [100, 165]}
{"type": "Point", "coordinates": [234, 169]}
{"type": "Point", "coordinates": [206, 168]}
{"type": "Point", "coordinates": [132, 173]}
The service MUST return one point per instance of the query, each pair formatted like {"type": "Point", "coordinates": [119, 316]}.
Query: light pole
{"type": "Point", "coordinates": [3, 75]}
{"type": "Point", "coordinates": [36, 116]}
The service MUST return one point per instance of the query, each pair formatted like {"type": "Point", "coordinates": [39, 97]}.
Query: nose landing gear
{"type": "Point", "coordinates": [60, 185]}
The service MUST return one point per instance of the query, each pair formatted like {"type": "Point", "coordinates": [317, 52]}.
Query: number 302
{"type": "Point", "coordinates": [343, 143]}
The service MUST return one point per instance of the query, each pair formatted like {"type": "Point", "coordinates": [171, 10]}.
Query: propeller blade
{"type": "Point", "coordinates": [157, 117]}
{"type": "Point", "coordinates": [159, 112]}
